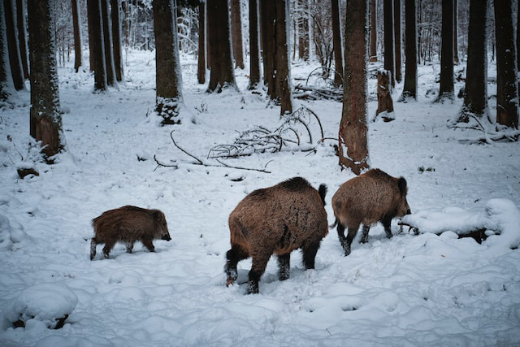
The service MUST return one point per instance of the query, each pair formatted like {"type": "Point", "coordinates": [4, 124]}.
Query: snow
{"type": "Point", "coordinates": [411, 290]}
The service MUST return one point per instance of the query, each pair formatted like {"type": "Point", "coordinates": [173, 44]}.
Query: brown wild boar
{"type": "Point", "coordinates": [128, 224]}
{"type": "Point", "coordinates": [371, 197]}
{"type": "Point", "coordinates": [276, 220]}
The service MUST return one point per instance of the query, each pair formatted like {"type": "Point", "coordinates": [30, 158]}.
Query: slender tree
{"type": "Point", "coordinates": [22, 36]}
{"type": "Point", "coordinates": [6, 82]}
{"type": "Point", "coordinates": [397, 42]}
{"type": "Point", "coordinates": [108, 46]}
{"type": "Point", "coordinates": [303, 30]}
{"type": "Point", "coordinates": [45, 112]}
{"type": "Point", "coordinates": [446, 89]}
{"type": "Point", "coordinates": [373, 31]}
{"type": "Point", "coordinates": [115, 10]}
{"type": "Point", "coordinates": [388, 19]}
{"type": "Point", "coordinates": [254, 50]}
{"type": "Point", "coordinates": [338, 49]}
{"type": "Point", "coordinates": [96, 44]}
{"type": "Point", "coordinates": [220, 57]}
{"type": "Point", "coordinates": [236, 33]}
{"type": "Point", "coordinates": [201, 62]}
{"type": "Point", "coordinates": [455, 32]}
{"type": "Point", "coordinates": [12, 44]}
{"type": "Point", "coordinates": [78, 56]}
{"type": "Point", "coordinates": [475, 99]}
{"type": "Point", "coordinates": [168, 67]}
{"type": "Point", "coordinates": [410, 69]}
{"type": "Point", "coordinates": [353, 144]}
{"type": "Point", "coordinates": [507, 87]}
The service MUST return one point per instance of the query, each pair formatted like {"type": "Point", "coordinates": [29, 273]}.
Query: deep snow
{"type": "Point", "coordinates": [423, 290]}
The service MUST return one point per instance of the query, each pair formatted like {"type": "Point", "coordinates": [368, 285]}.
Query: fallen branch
{"type": "Point", "coordinates": [478, 234]}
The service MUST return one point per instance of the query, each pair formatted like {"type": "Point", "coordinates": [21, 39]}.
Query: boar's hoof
{"type": "Point", "coordinates": [253, 287]}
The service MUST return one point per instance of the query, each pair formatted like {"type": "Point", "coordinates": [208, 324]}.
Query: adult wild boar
{"type": "Point", "coordinates": [371, 197]}
{"type": "Point", "coordinates": [276, 220]}
{"type": "Point", "coordinates": [128, 224]}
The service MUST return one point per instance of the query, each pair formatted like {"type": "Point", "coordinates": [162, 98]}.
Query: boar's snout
{"type": "Point", "coordinates": [166, 237]}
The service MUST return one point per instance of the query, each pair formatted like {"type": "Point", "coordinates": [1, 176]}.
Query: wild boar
{"type": "Point", "coordinates": [371, 197]}
{"type": "Point", "coordinates": [276, 220]}
{"type": "Point", "coordinates": [128, 224]}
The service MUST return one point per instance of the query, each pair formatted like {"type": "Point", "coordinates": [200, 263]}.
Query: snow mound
{"type": "Point", "coordinates": [48, 303]}
{"type": "Point", "coordinates": [9, 234]}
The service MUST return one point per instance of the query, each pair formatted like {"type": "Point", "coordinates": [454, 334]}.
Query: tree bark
{"type": "Point", "coordinates": [168, 72]}
{"type": "Point", "coordinates": [373, 31]}
{"type": "Point", "coordinates": [96, 43]}
{"type": "Point", "coordinates": [338, 49]}
{"type": "Point", "coordinates": [410, 70]}
{"type": "Point", "coordinates": [78, 57]}
{"type": "Point", "coordinates": [397, 43]}
{"type": "Point", "coordinates": [446, 88]}
{"type": "Point", "coordinates": [282, 72]}
{"type": "Point", "coordinates": [116, 36]}
{"type": "Point", "coordinates": [254, 50]}
{"type": "Point", "coordinates": [385, 103]}
{"type": "Point", "coordinates": [507, 87]}
{"type": "Point", "coordinates": [107, 40]}
{"type": "Point", "coordinates": [389, 63]}
{"type": "Point", "coordinates": [353, 144]}
{"type": "Point", "coordinates": [201, 59]}
{"type": "Point", "coordinates": [455, 33]}
{"type": "Point", "coordinates": [22, 37]}
{"type": "Point", "coordinates": [45, 113]}
{"type": "Point", "coordinates": [475, 99]}
{"type": "Point", "coordinates": [236, 33]}
{"type": "Point", "coordinates": [5, 70]}
{"type": "Point", "coordinates": [12, 44]}
{"type": "Point", "coordinates": [303, 30]}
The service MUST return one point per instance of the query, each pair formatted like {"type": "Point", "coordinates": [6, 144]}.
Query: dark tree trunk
{"type": "Point", "coordinates": [221, 62]}
{"type": "Point", "coordinates": [96, 42]}
{"type": "Point", "coordinates": [168, 67]}
{"type": "Point", "coordinates": [388, 17]}
{"type": "Point", "coordinates": [397, 43]}
{"type": "Point", "coordinates": [410, 69]}
{"type": "Point", "coordinates": [107, 40]}
{"type": "Point", "coordinates": [45, 114]}
{"type": "Point", "coordinates": [507, 87]}
{"type": "Point", "coordinates": [281, 57]}
{"type": "Point", "coordinates": [254, 60]}
{"type": "Point", "coordinates": [446, 88]}
{"type": "Point", "coordinates": [115, 10]}
{"type": "Point", "coordinates": [353, 144]}
{"type": "Point", "coordinates": [373, 31]}
{"type": "Point", "coordinates": [455, 33]}
{"type": "Point", "coordinates": [5, 70]}
{"type": "Point", "coordinates": [385, 104]}
{"type": "Point", "coordinates": [266, 38]}
{"type": "Point", "coordinates": [78, 57]}
{"type": "Point", "coordinates": [22, 35]}
{"type": "Point", "coordinates": [475, 99]}
{"type": "Point", "coordinates": [338, 49]}
{"type": "Point", "coordinates": [303, 30]}
{"type": "Point", "coordinates": [236, 33]}
{"type": "Point", "coordinates": [201, 63]}
{"type": "Point", "coordinates": [12, 44]}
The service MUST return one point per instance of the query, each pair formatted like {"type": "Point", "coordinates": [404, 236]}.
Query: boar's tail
{"type": "Point", "coordinates": [323, 191]}
{"type": "Point", "coordinates": [334, 224]}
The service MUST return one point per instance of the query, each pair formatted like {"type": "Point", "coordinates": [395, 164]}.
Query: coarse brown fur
{"type": "Point", "coordinates": [276, 220]}
{"type": "Point", "coordinates": [128, 224]}
{"type": "Point", "coordinates": [371, 197]}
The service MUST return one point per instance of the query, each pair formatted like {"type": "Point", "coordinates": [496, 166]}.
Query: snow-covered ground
{"type": "Point", "coordinates": [423, 290]}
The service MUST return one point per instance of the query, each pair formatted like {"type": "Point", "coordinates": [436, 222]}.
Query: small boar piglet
{"type": "Point", "coordinates": [367, 199]}
{"type": "Point", "coordinates": [276, 220]}
{"type": "Point", "coordinates": [128, 224]}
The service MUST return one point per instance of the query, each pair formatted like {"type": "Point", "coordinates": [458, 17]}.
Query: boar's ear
{"type": "Point", "coordinates": [156, 215]}
{"type": "Point", "coordinates": [402, 185]}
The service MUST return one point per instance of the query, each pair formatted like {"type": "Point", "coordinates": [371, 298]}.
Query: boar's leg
{"type": "Point", "coordinates": [148, 244]}
{"type": "Point", "coordinates": [257, 270]}
{"type": "Point", "coordinates": [234, 255]}
{"type": "Point", "coordinates": [341, 234]}
{"type": "Point", "coordinates": [284, 265]}
{"type": "Point", "coordinates": [129, 246]}
{"type": "Point", "coordinates": [309, 254]}
{"type": "Point", "coordinates": [108, 247]}
{"type": "Point", "coordinates": [364, 237]}
{"type": "Point", "coordinates": [350, 237]}
{"type": "Point", "coordinates": [387, 222]}
{"type": "Point", "coordinates": [93, 244]}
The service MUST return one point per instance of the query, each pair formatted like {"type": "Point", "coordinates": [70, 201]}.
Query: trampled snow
{"type": "Point", "coordinates": [411, 290]}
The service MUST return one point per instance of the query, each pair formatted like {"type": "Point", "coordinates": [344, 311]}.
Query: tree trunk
{"type": "Point", "coordinates": [236, 33]}
{"type": "Point", "coordinates": [389, 63]}
{"type": "Point", "coordinates": [12, 44]}
{"type": "Point", "coordinates": [45, 113]}
{"type": "Point", "coordinates": [221, 60]}
{"type": "Point", "coordinates": [78, 57]}
{"type": "Point", "coordinates": [455, 33]}
{"type": "Point", "coordinates": [96, 42]}
{"type": "Point", "coordinates": [116, 36]}
{"type": "Point", "coordinates": [254, 60]}
{"type": "Point", "coordinates": [338, 49]}
{"type": "Point", "coordinates": [475, 99]}
{"type": "Point", "coordinates": [373, 31]}
{"type": "Point", "coordinates": [201, 62]}
{"type": "Point", "coordinates": [168, 67]}
{"type": "Point", "coordinates": [353, 144]}
{"type": "Point", "coordinates": [282, 71]}
{"type": "Point", "coordinates": [6, 85]}
{"type": "Point", "coordinates": [385, 104]}
{"type": "Point", "coordinates": [303, 30]}
{"type": "Point", "coordinates": [446, 89]}
{"type": "Point", "coordinates": [397, 43]}
{"type": "Point", "coordinates": [410, 70]}
{"type": "Point", "coordinates": [22, 35]}
{"type": "Point", "coordinates": [507, 87]}
{"type": "Point", "coordinates": [107, 37]}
